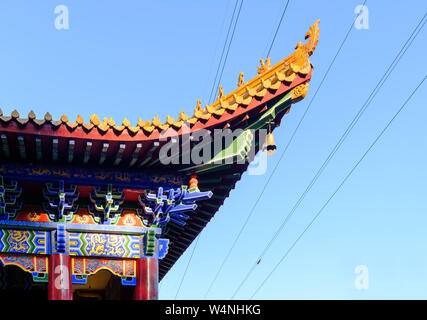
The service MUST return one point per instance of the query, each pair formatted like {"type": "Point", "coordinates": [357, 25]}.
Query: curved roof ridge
{"type": "Point", "coordinates": [268, 78]}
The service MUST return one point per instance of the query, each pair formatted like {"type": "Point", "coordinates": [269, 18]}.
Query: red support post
{"type": "Point", "coordinates": [60, 284]}
{"type": "Point", "coordinates": [147, 279]}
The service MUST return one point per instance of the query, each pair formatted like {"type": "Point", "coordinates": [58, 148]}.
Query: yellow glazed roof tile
{"type": "Point", "coordinates": [268, 78]}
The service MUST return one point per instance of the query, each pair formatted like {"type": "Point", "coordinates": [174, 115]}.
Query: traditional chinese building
{"type": "Point", "coordinates": [102, 210]}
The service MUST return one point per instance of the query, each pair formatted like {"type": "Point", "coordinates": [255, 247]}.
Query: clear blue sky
{"type": "Point", "coordinates": [136, 58]}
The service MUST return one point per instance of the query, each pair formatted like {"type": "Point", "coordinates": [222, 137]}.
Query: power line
{"type": "Point", "coordinates": [186, 268]}
{"type": "Point", "coordinates": [218, 43]}
{"type": "Point", "coordinates": [215, 81]}
{"type": "Point", "coordinates": [228, 48]}
{"type": "Point", "coordinates": [223, 49]}
{"type": "Point", "coordinates": [229, 44]}
{"type": "Point", "coordinates": [374, 92]}
{"type": "Point", "coordinates": [281, 157]}
{"type": "Point", "coordinates": [278, 27]}
{"type": "Point", "coordinates": [339, 187]}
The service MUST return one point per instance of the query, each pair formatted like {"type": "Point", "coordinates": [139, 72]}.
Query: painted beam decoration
{"type": "Point", "coordinates": [60, 201]}
{"type": "Point", "coordinates": [36, 265]}
{"type": "Point", "coordinates": [28, 240]}
{"type": "Point", "coordinates": [123, 268]}
{"type": "Point", "coordinates": [24, 241]}
{"type": "Point", "coordinates": [106, 204]}
{"type": "Point", "coordinates": [82, 244]}
{"type": "Point", "coordinates": [91, 176]}
{"type": "Point", "coordinates": [84, 267]}
{"type": "Point", "coordinates": [9, 194]}
{"type": "Point", "coordinates": [105, 245]}
{"type": "Point", "coordinates": [163, 207]}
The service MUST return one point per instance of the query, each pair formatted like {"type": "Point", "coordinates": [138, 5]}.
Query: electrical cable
{"type": "Point", "coordinates": [281, 157]}
{"type": "Point", "coordinates": [339, 186]}
{"type": "Point", "coordinates": [340, 142]}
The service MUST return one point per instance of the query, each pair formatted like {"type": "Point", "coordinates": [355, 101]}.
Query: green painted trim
{"type": "Point", "coordinates": [223, 187]}
{"type": "Point", "coordinates": [150, 242]}
{"type": "Point", "coordinates": [71, 145]}
{"type": "Point", "coordinates": [38, 278]}
{"type": "Point", "coordinates": [5, 240]}
{"type": "Point", "coordinates": [55, 149]}
{"type": "Point", "coordinates": [5, 145]}
{"type": "Point", "coordinates": [242, 144]}
{"type": "Point", "coordinates": [38, 148]}
{"type": "Point", "coordinates": [145, 160]}
{"type": "Point", "coordinates": [233, 175]}
{"type": "Point", "coordinates": [219, 196]}
{"type": "Point", "coordinates": [154, 162]}
{"type": "Point", "coordinates": [87, 151]}
{"type": "Point", "coordinates": [120, 154]}
{"type": "Point", "coordinates": [271, 113]}
{"type": "Point", "coordinates": [21, 147]}
{"type": "Point", "coordinates": [205, 212]}
{"type": "Point", "coordinates": [104, 150]}
{"type": "Point", "coordinates": [239, 149]}
{"type": "Point", "coordinates": [212, 180]}
{"type": "Point", "coordinates": [210, 205]}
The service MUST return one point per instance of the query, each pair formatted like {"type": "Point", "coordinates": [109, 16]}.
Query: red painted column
{"type": "Point", "coordinates": [60, 285]}
{"type": "Point", "coordinates": [147, 279]}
